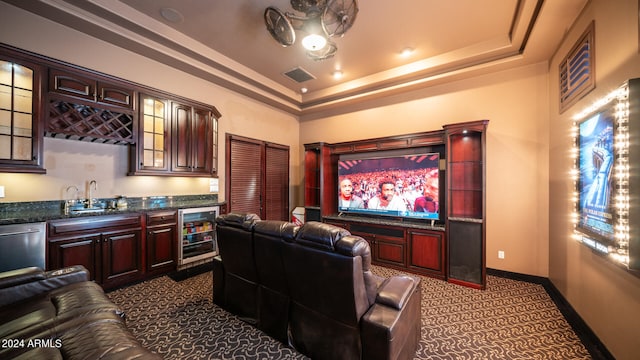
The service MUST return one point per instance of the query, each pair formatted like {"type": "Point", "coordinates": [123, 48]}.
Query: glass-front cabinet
{"type": "Point", "coordinates": [20, 135]}
{"type": "Point", "coordinates": [154, 145]}
{"type": "Point", "coordinates": [175, 138]}
{"type": "Point", "coordinates": [153, 142]}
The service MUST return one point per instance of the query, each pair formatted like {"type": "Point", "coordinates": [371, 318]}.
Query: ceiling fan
{"type": "Point", "coordinates": [322, 20]}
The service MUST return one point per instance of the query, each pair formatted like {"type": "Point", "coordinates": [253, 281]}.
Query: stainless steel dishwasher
{"type": "Point", "coordinates": [22, 245]}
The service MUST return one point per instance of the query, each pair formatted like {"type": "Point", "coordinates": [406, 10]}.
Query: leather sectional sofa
{"type": "Point", "coordinates": [311, 287]}
{"type": "Point", "coordinates": [61, 315]}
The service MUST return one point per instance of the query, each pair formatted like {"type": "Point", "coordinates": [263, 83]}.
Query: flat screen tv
{"type": "Point", "coordinates": [405, 186]}
{"type": "Point", "coordinates": [596, 178]}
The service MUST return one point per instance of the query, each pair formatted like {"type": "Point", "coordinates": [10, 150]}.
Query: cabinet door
{"type": "Point", "coordinates": [20, 114]}
{"type": "Point", "coordinates": [161, 249]}
{"type": "Point", "coordinates": [75, 85]}
{"type": "Point", "coordinates": [114, 95]}
{"type": "Point", "coordinates": [86, 88]}
{"type": "Point", "coordinates": [202, 141]}
{"type": "Point", "coordinates": [192, 150]}
{"type": "Point", "coordinates": [426, 252]}
{"type": "Point", "coordinates": [79, 250]}
{"type": "Point", "coordinates": [181, 137]}
{"type": "Point", "coordinates": [153, 140]}
{"type": "Point", "coordinates": [390, 250]}
{"type": "Point", "coordinates": [121, 257]}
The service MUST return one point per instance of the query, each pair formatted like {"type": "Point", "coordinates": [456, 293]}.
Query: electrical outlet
{"type": "Point", "coordinates": [500, 254]}
{"type": "Point", "coordinates": [1, 191]}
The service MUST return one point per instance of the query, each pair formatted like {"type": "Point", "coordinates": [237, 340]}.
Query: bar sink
{"type": "Point", "coordinates": [87, 210]}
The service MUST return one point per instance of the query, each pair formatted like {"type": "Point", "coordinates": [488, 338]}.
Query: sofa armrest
{"type": "Point", "coordinates": [22, 284]}
{"type": "Point", "coordinates": [391, 328]}
{"type": "Point", "coordinates": [20, 276]}
{"type": "Point", "coordinates": [395, 291]}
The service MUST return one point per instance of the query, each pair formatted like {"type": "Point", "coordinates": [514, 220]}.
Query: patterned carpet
{"type": "Point", "coordinates": [509, 320]}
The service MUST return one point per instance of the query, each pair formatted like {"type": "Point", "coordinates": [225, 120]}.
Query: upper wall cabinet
{"type": "Point", "coordinates": [151, 155]}
{"type": "Point", "coordinates": [20, 115]}
{"type": "Point", "coordinates": [192, 139]}
{"type": "Point", "coordinates": [85, 107]}
{"type": "Point", "coordinates": [80, 87]}
{"type": "Point", "coordinates": [168, 135]}
{"type": "Point", "coordinates": [175, 138]}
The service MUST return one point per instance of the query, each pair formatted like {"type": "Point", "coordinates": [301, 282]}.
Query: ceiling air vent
{"type": "Point", "coordinates": [299, 75]}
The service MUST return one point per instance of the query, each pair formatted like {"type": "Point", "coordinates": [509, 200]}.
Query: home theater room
{"type": "Point", "coordinates": [319, 179]}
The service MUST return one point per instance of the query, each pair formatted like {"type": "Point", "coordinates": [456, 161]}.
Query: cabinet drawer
{"type": "Point", "coordinates": [92, 223]}
{"type": "Point", "coordinates": [162, 218]}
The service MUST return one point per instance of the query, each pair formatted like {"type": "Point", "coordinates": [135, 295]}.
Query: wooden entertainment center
{"type": "Point", "coordinates": [451, 249]}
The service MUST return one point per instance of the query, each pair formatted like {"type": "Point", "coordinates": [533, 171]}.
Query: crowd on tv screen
{"type": "Point", "coordinates": [409, 185]}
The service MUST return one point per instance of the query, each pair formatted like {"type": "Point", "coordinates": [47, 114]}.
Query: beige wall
{"type": "Point", "coordinates": [605, 296]}
{"type": "Point", "coordinates": [75, 163]}
{"type": "Point", "coordinates": [515, 103]}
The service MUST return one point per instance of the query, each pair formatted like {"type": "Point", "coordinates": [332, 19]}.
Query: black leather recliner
{"type": "Point", "coordinates": [235, 245]}
{"type": "Point", "coordinates": [273, 303]}
{"type": "Point", "coordinates": [339, 309]}
{"type": "Point", "coordinates": [316, 292]}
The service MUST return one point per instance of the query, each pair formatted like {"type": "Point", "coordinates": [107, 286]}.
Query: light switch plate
{"type": "Point", "coordinates": [214, 185]}
{"type": "Point", "coordinates": [1, 191]}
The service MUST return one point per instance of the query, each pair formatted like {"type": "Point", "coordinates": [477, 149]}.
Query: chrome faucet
{"type": "Point", "coordinates": [73, 187]}
{"type": "Point", "coordinates": [68, 203]}
{"type": "Point", "coordinates": [93, 185]}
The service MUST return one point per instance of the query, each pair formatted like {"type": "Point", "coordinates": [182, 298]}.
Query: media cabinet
{"type": "Point", "coordinates": [452, 248]}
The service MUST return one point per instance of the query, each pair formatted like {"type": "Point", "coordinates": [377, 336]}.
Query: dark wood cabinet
{"type": "Point", "coordinates": [426, 252]}
{"type": "Point", "coordinates": [84, 106]}
{"type": "Point", "coordinates": [452, 248]}
{"type": "Point", "coordinates": [48, 97]}
{"type": "Point", "coordinates": [175, 138]}
{"type": "Point", "coordinates": [77, 250]}
{"type": "Point", "coordinates": [320, 174]}
{"type": "Point", "coordinates": [21, 135]}
{"type": "Point", "coordinates": [161, 241]}
{"type": "Point", "coordinates": [387, 243]}
{"type": "Point", "coordinates": [150, 156]}
{"type": "Point", "coordinates": [465, 220]}
{"type": "Point", "coordinates": [84, 87]}
{"type": "Point", "coordinates": [109, 246]}
{"type": "Point", "coordinates": [192, 139]}
{"type": "Point", "coordinates": [416, 249]}
{"type": "Point", "coordinates": [121, 257]}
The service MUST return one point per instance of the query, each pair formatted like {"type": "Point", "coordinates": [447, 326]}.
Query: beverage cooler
{"type": "Point", "coordinates": [198, 236]}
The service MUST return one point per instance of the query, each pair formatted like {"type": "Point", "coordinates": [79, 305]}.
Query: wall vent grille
{"type": "Point", "coordinates": [577, 76]}
{"type": "Point", "coordinates": [299, 75]}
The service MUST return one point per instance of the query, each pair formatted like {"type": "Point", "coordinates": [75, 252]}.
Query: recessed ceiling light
{"type": "Point", "coordinates": [337, 74]}
{"type": "Point", "coordinates": [304, 90]}
{"type": "Point", "coordinates": [406, 52]}
{"type": "Point", "coordinates": [171, 15]}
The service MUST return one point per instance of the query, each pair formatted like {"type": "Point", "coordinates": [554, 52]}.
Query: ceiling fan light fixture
{"type": "Point", "coordinates": [314, 42]}
{"type": "Point", "coordinates": [323, 20]}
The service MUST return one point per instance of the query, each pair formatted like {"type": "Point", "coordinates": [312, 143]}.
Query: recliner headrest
{"type": "Point", "coordinates": [320, 235]}
{"type": "Point", "coordinates": [238, 220]}
{"type": "Point", "coordinates": [285, 230]}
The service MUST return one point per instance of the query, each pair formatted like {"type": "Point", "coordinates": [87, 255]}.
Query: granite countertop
{"type": "Point", "coordinates": [39, 211]}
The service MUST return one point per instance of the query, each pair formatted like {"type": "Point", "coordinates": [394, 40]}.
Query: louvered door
{"type": "Point", "coordinates": [245, 175]}
{"type": "Point", "coordinates": [276, 206]}
{"type": "Point", "coordinates": [257, 179]}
